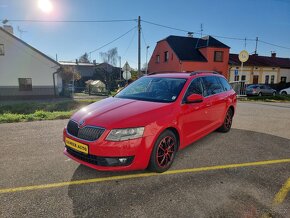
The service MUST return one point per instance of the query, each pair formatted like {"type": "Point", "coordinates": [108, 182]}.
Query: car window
{"type": "Point", "coordinates": [195, 87]}
{"type": "Point", "coordinates": [153, 89]}
{"type": "Point", "coordinates": [225, 84]}
{"type": "Point", "coordinates": [211, 85]}
{"type": "Point", "coordinates": [262, 87]}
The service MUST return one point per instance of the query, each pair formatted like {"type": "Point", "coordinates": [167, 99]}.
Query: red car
{"type": "Point", "coordinates": [145, 124]}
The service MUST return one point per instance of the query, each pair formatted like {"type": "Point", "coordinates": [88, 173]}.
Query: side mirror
{"type": "Point", "coordinates": [194, 98]}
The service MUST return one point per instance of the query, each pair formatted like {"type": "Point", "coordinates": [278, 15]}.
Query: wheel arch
{"type": "Point", "coordinates": [176, 133]}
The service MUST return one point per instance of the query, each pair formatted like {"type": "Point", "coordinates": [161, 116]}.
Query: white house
{"type": "Point", "coordinates": [25, 72]}
{"type": "Point", "coordinates": [260, 69]}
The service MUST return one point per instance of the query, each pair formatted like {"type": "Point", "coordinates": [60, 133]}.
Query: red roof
{"type": "Point", "coordinates": [263, 61]}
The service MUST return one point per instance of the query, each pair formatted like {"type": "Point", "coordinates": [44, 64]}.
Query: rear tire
{"type": "Point", "coordinates": [163, 152]}
{"type": "Point", "coordinates": [260, 94]}
{"type": "Point", "coordinates": [227, 124]}
{"type": "Point", "coordinates": [274, 93]}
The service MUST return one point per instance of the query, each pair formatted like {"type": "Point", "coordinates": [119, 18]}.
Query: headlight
{"type": "Point", "coordinates": [125, 134]}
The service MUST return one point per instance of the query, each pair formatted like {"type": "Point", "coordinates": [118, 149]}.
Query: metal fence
{"type": "Point", "coordinates": [239, 87]}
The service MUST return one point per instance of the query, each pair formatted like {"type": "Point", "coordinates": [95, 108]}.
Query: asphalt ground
{"type": "Point", "coordinates": [243, 173]}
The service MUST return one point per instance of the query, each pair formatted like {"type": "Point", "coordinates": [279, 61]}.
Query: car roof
{"type": "Point", "coordinates": [184, 75]}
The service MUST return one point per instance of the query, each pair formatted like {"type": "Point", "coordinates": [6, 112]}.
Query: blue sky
{"type": "Point", "coordinates": [267, 19]}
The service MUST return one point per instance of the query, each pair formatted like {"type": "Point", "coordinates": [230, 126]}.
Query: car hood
{"type": "Point", "coordinates": [121, 113]}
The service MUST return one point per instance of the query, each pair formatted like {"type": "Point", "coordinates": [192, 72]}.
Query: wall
{"type": "Point", "coordinates": [21, 61]}
{"type": "Point", "coordinates": [171, 65]}
{"type": "Point", "coordinates": [262, 72]}
{"type": "Point", "coordinates": [286, 73]}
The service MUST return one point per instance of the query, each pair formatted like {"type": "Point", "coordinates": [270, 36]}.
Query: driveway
{"type": "Point", "coordinates": [243, 173]}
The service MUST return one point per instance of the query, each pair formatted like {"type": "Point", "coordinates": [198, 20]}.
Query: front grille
{"type": "Point", "coordinates": [87, 133]}
{"type": "Point", "coordinates": [96, 160]}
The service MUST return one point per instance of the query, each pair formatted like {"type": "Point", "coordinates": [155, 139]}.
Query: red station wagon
{"type": "Point", "coordinates": [145, 124]}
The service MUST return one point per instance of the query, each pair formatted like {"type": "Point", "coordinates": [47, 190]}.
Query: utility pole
{"type": "Point", "coordinates": [257, 39]}
{"type": "Point", "coordinates": [139, 46]}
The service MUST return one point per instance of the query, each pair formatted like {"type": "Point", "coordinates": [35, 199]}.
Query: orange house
{"type": "Point", "coordinates": [187, 54]}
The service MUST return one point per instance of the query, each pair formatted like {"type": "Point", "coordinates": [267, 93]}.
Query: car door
{"type": "Point", "coordinates": [194, 117]}
{"type": "Point", "coordinates": [216, 101]}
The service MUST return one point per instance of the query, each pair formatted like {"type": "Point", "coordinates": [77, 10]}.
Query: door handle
{"type": "Point", "coordinates": [208, 104]}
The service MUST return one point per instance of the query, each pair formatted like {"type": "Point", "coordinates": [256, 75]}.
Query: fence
{"type": "Point", "coordinates": [239, 87]}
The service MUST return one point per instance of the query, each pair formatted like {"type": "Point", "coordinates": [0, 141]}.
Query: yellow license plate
{"type": "Point", "coordinates": [77, 146]}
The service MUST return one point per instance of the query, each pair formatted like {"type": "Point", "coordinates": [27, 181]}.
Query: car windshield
{"type": "Point", "coordinates": [153, 89]}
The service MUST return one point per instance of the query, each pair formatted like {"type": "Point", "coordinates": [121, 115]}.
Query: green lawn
{"type": "Point", "coordinates": [40, 110]}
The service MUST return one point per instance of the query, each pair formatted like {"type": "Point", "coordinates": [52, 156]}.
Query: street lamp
{"type": "Point", "coordinates": [146, 59]}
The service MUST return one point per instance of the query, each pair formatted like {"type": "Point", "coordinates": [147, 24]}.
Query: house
{"type": "Point", "coordinates": [25, 72]}
{"type": "Point", "coordinates": [187, 54]}
{"type": "Point", "coordinates": [94, 71]}
{"type": "Point", "coordinates": [260, 69]}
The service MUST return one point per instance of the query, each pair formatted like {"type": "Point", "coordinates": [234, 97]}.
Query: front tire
{"type": "Point", "coordinates": [227, 124]}
{"type": "Point", "coordinates": [284, 93]}
{"type": "Point", "coordinates": [163, 152]}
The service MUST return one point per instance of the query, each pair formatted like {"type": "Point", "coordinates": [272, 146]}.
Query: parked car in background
{"type": "Point", "coordinates": [285, 91]}
{"type": "Point", "coordinates": [260, 90]}
{"type": "Point", "coordinates": [146, 123]}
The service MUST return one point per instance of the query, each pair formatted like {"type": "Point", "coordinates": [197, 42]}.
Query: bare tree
{"type": "Point", "coordinates": [110, 57]}
{"type": "Point", "coordinates": [84, 58]}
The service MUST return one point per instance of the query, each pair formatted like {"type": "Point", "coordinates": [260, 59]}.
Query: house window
{"type": "Point", "coordinates": [267, 79]}
{"type": "Point", "coordinates": [237, 78]}
{"type": "Point", "coordinates": [272, 79]}
{"type": "Point", "coordinates": [25, 84]}
{"type": "Point", "coordinates": [157, 58]}
{"type": "Point", "coordinates": [283, 79]}
{"type": "Point", "coordinates": [166, 56]}
{"type": "Point", "coordinates": [218, 56]}
{"type": "Point", "coordinates": [1, 49]}
{"type": "Point", "coordinates": [243, 78]}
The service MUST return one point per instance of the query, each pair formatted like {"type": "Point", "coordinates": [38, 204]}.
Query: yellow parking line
{"type": "Point", "coordinates": [132, 176]}
{"type": "Point", "coordinates": [281, 195]}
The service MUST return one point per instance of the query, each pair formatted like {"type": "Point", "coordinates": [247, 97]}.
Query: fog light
{"type": "Point", "coordinates": [123, 160]}
{"type": "Point", "coordinates": [118, 161]}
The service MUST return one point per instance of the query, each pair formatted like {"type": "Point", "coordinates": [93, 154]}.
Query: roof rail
{"type": "Point", "coordinates": [203, 71]}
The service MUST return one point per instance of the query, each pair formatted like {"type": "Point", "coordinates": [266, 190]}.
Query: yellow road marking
{"type": "Point", "coordinates": [132, 176]}
{"type": "Point", "coordinates": [281, 195]}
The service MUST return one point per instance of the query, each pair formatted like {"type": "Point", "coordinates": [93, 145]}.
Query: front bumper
{"type": "Point", "coordinates": [112, 156]}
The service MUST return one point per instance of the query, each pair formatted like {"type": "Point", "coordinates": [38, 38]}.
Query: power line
{"type": "Point", "coordinates": [168, 27]}
{"type": "Point", "coordinates": [112, 41]}
{"type": "Point", "coordinates": [72, 21]}
{"type": "Point", "coordinates": [279, 46]}
{"type": "Point", "coordinates": [131, 41]}
{"type": "Point", "coordinates": [143, 37]}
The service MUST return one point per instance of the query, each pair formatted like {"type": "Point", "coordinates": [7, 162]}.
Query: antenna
{"type": "Point", "coordinates": [20, 31]}
{"type": "Point", "coordinates": [201, 29]}
{"type": "Point", "coordinates": [256, 48]}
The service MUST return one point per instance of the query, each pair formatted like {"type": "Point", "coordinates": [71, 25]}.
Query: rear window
{"type": "Point", "coordinates": [225, 84]}
{"type": "Point", "coordinates": [212, 85]}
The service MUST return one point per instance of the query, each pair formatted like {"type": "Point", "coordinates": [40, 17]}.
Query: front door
{"type": "Point", "coordinates": [255, 79]}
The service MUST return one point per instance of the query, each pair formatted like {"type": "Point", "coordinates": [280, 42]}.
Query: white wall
{"type": "Point", "coordinates": [21, 61]}
{"type": "Point", "coordinates": [286, 73]}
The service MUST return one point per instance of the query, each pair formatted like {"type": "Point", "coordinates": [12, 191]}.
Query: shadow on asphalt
{"type": "Point", "coordinates": [225, 193]}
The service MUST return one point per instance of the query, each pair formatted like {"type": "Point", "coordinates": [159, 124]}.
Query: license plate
{"type": "Point", "coordinates": [77, 146]}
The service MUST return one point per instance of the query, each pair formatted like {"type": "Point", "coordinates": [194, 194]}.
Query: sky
{"type": "Point", "coordinates": [224, 19]}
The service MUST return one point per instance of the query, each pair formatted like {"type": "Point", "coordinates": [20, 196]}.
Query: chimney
{"type": "Point", "coordinates": [190, 34]}
{"type": "Point", "coordinates": [8, 28]}
{"type": "Point", "coordinates": [273, 54]}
